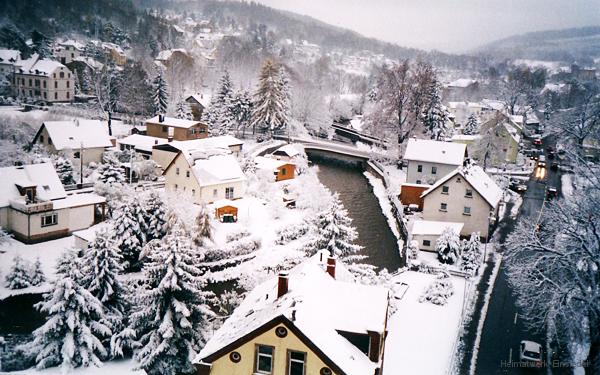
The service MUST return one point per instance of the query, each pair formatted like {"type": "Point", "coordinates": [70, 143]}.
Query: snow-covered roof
{"type": "Point", "coordinates": [166, 54]}
{"type": "Point", "coordinates": [498, 105]}
{"type": "Point", "coordinates": [465, 138]}
{"type": "Point", "coordinates": [8, 56]}
{"type": "Point", "coordinates": [203, 99]}
{"type": "Point", "coordinates": [435, 151]}
{"type": "Point", "coordinates": [142, 142]}
{"type": "Point", "coordinates": [217, 169]}
{"type": "Point", "coordinates": [221, 141]}
{"type": "Point", "coordinates": [290, 150]}
{"type": "Point", "coordinates": [72, 43]}
{"type": "Point", "coordinates": [36, 66]}
{"type": "Point", "coordinates": [42, 175]}
{"type": "Point", "coordinates": [462, 82]}
{"type": "Point", "coordinates": [174, 122]}
{"type": "Point", "coordinates": [434, 228]}
{"type": "Point", "coordinates": [270, 164]}
{"type": "Point", "coordinates": [73, 134]}
{"type": "Point", "coordinates": [514, 132]}
{"type": "Point", "coordinates": [89, 61]}
{"type": "Point", "coordinates": [319, 306]}
{"type": "Point", "coordinates": [223, 203]}
{"type": "Point", "coordinates": [89, 234]}
{"type": "Point", "coordinates": [76, 200]}
{"type": "Point", "coordinates": [478, 179]}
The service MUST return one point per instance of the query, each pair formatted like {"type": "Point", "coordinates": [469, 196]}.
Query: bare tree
{"type": "Point", "coordinates": [580, 122]}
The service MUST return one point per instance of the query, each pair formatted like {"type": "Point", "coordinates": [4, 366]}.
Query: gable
{"type": "Point", "coordinates": [265, 335]}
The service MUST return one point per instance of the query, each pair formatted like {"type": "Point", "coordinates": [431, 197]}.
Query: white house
{"type": "Point", "coordinates": [34, 206]}
{"type": "Point", "coordinates": [8, 58]}
{"type": "Point", "coordinates": [429, 160]}
{"type": "Point", "coordinates": [142, 144]}
{"type": "Point", "coordinates": [87, 137]}
{"type": "Point", "coordinates": [68, 50]}
{"type": "Point", "coordinates": [466, 195]}
{"type": "Point", "coordinates": [287, 152]}
{"type": "Point", "coordinates": [427, 232]}
{"type": "Point", "coordinates": [206, 176]}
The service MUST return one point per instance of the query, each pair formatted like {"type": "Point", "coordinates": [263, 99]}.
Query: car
{"type": "Point", "coordinates": [541, 161]}
{"type": "Point", "coordinates": [551, 192]}
{"type": "Point", "coordinates": [551, 154]}
{"type": "Point", "coordinates": [537, 142]}
{"type": "Point", "coordinates": [530, 352]}
{"type": "Point", "coordinates": [554, 166]}
{"type": "Point", "coordinates": [521, 188]}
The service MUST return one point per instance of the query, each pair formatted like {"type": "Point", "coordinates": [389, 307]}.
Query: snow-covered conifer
{"type": "Point", "coordinates": [439, 291]}
{"type": "Point", "coordinates": [110, 171]}
{"type": "Point", "coordinates": [37, 274]}
{"type": "Point", "coordinates": [472, 125]}
{"type": "Point", "coordinates": [202, 227]}
{"type": "Point", "coordinates": [270, 107]}
{"type": "Point", "coordinates": [171, 309]}
{"type": "Point", "coordinates": [413, 250]}
{"type": "Point", "coordinates": [129, 235]}
{"type": "Point", "coordinates": [155, 217]}
{"type": "Point", "coordinates": [335, 232]}
{"type": "Point", "coordinates": [160, 97]}
{"type": "Point", "coordinates": [471, 254]}
{"type": "Point", "coordinates": [73, 332]}
{"type": "Point", "coordinates": [183, 110]}
{"type": "Point", "coordinates": [64, 169]}
{"type": "Point", "coordinates": [18, 276]}
{"type": "Point", "coordinates": [448, 246]}
{"type": "Point", "coordinates": [435, 117]}
{"type": "Point", "coordinates": [241, 107]}
{"type": "Point", "coordinates": [101, 265]}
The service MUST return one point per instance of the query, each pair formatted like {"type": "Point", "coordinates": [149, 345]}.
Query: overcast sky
{"type": "Point", "coordinates": [446, 25]}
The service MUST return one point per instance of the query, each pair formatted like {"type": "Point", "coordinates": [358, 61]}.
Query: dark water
{"type": "Point", "coordinates": [374, 233]}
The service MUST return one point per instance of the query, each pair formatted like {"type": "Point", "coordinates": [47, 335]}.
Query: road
{"type": "Point", "coordinates": [503, 329]}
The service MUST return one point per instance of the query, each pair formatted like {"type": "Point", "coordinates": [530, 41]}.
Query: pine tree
{"type": "Point", "coordinates": [155, 216]}
{"type": "Point", "coordinates": [160, 96]}
{"type": "Point", "coordinates": [270, 107]}
{"type": "Point", "coordinates": [471, 254]}
{"type": "Point", "coordinates": [472, 126]}
{"type": "Point", "coordinates": [183, 110]}
{"type": "Point", "coordinates": [64, 169]}
{"type": "Point", "coordinates": [37, 274]}
{"type": "Point", "coordinates": [202, 227]}
{"type": "Point", "coordinates": [72, 334]}
{"type": "Point", "coordinates": [101, 266]}
{"type": "Point", "coordinates": [439, 291]}
{"type": "Point", "coordinates": [171, 309]}
{"type": "Point", "coordinates": [435, 117]}
{"type": "Point", "coordinates": [40, 44]}
{"type": "Point", "coordinates": [87, 85]}
{"type": "Point", "coordinates": [448, 246]}
{"type": "Point", "coordinates": [335, 232]}
{"type": "Point", "coordinates": [129, 235]}
{"type": "Point", "coordinates": [110, 171]}
{"type": "Point", "coordinates": [219, 115]}
{"type": "Point", "coordinates": [242, 110]}
{"type": "Point", "coordinates": [18, 276]}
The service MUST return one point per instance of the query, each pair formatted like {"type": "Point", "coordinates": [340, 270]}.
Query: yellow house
{"type": "Point", "coordinates": [206, 176]}
{"type": "Point", "coordinates": [281, 169]}
{"type": "Point", "coordinates": [314, 319]}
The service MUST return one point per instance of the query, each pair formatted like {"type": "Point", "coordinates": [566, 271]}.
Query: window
{"type": "Point", "coordinates": [30, 93]}
{"type": "Point", "coordinates": [433, 170]}
{"type": "Point", "coordinates": [30, 82]}
{"type": "Point", "coordinates": [177, 171]}
{"type": "Point", "coordinates": [44, 84]}
{"type": "Point", "coordinates": [467, 210]}
{"type": "Point", "coordinates": [202, 130]}
{"type": "Point", "coordinates": [45, 96]}
{"type": "Point", "coordinates": [426, 243]}
{"type": "Point", "coordinates": [187, 174]}
{"type": "Point", "coordinates": [264, 359]}
{"type": "Point", "coordinates": [419, 168]}
{"type": "Point", "coordinates": [55, 84]}
{"type": "Point", "coordinates": [55, 96]}
{"type": "Point", "coordinates": [72, 56]}
{"type": "Point", "coordinates": [68, 84]}
{"type": "Point", "coordinates": [445, 189]}
{"type": "Point", "coordinates": [215, 192]}
{"type": "Point", "coordinates": [418, 182]}
{"type": "Point", "coordinates": [68, 95]}
{"type": "Point", "coordinates": [37, 83]}
{"type": "Point", "coordinates": [62, 74]}
{"type": "Point", "coordinates": [76, 155]}
{"type": "Point", "coordinates": [165, 129]}
{"type": "Point", "coordinates": [469, 193]}
{"type": "Point", "coordinates": [176, 186]}
{"type": "Point", "coordinates": [49, 140]}
{"type": "Point", "coordinates": [296, 363]}
{"type": "Point", "coordinates": [41, 139]}
{"type": "Point", "coordinates": [443, 207]}
{"type": "Point", "coordinates": [283, 171]}
{"type": "Point", "coordinates": [229, 193]}
{"type": "Point", "coordinates": [193, 192]}
{"type": "Point", "coordinates": [48, 220]}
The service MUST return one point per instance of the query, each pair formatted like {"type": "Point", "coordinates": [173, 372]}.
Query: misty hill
{"type": "Point", "coordinates": [565, 45]}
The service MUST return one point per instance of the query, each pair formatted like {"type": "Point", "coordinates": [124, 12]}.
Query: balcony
{"type": "Point", "coordinates": [32, 207]}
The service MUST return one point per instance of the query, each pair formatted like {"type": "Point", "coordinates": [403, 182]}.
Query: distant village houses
{"type": "Point", "coordinates": [43, 79]}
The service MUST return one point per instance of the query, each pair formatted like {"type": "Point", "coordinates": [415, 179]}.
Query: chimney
{"type": "Point", "coordinates": [282, 284]}
{"type": "Point", "coordinates": [331, 266]}
{"type": "Point", "coordinates": [161, 118]}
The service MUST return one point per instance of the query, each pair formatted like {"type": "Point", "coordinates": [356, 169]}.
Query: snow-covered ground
{"type": "Point", "coordinates": [422, 336]}
{"type": "Point", "coordinates": [385, 204]}
{"type": "Point", "coordinates": [48, 252]}
{"type": "Point", "coordinates": [566, 181]}
{"type": "Point", "coordinates": [113, 368]}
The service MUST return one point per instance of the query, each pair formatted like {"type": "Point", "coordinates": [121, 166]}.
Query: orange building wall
{"type": "Point", "coordinates": [290, 171]}
{"type": "Point", "coordinates": [226, 210]}
{"type": "Point", "coordinates": [410, 194]}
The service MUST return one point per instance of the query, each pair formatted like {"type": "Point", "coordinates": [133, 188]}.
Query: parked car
{"type": "Point", "coordinates": [551, 192]}
{"type": "Point", "coordinates": [541, 161]}
{"type": "Point", "coordinates": [537, 142]}
{"type": "Point", "coordinates": [530, 352]}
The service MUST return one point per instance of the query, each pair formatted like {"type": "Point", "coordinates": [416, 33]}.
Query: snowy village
{"type": "Point", "coordinates": [241, 188]}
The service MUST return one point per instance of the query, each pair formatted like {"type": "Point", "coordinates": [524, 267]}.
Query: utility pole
{"type": "Point", "coordinates": [131, 155]}
{"type": "Point", "coordinates": [81, 163]}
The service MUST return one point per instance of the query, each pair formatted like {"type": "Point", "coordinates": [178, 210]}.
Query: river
{"type": "Point", "coordinates": [374, 233]}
